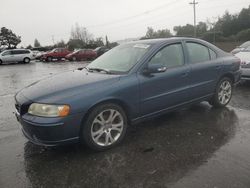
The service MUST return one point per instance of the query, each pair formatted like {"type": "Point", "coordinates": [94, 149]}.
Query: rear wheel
{"type": "Point", "coordinates": [223, 93]}
{"type": "Point", "coordinates": [26, 60]}
{"type": "Point", "coordinates": [49, 59]}
{"type": "Point", "coordinates": [105, 127]}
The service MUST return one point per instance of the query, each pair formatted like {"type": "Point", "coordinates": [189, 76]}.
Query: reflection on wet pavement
{"type": "Point", "coordinates": [179, 142]}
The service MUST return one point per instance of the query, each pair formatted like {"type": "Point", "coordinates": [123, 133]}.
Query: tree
{"type": "Point", "coordinates": [60, 44]}
{"type": "Point", "coordinates": [37, 43]}
{"type": "Point", "coordinates": [8, 38]}
{"type": "Point", "coordinates": [29, 47]}
{"type": "Point", "coordinates": [150, 34]}
{"type": "Point", "coordinates": [80, 33]}
{"type": "Point", "coordinates": [243, 35]}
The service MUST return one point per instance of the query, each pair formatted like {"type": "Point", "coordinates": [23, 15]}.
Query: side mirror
{"type": "Point", "coordinates": [154, 68]}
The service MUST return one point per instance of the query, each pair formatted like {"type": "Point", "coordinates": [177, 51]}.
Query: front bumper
{"type": "Point", "coordinates": [50, 131]}
{"type": "Point", "coordinates": [47, 131]}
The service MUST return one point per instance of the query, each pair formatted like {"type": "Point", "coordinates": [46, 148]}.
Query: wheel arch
{"type": "Point", "coordinates": [228, 75]}
{"type": "Point", "coordinates": [118, 102]}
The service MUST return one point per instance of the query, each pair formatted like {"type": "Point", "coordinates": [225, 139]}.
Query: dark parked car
{"type": "Point", "coordinates": [101, 50]}
{"type": "Point", "coordinates": [85, 54]}
{"type": "Point", "coordinates": [128, 84]}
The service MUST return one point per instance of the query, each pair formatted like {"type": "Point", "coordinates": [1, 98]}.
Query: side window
{"type": "Point", "coordinates": [15, 52]}
{"type": "Point", "coordinates": [213, 55]}
{"type": "Point", "coordinates": [169, 56]}
{"type": "Point", "coordinates": [7, 53]}
{"type": "Point", "coordinates": [197, 52]}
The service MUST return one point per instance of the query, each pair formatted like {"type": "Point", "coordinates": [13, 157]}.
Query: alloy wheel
{"type": "Point", "coordinates": [225, 92]}
{"type": "Point", "coordinates": [107, 127]}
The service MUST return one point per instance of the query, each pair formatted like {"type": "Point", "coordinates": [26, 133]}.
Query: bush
{"type": "Point", "coordinates": [243, 35]}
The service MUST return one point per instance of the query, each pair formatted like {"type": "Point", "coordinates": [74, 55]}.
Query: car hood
{"type": "Point", "coordinates": [65, 85]}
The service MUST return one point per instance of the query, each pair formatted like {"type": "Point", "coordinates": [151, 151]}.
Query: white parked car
{"type": "Point", "coordinates": [16, 55]}
{"type": "Point", "coordinates": [245, 63]}
{"type": "Point", "coordinates": [240, 48]}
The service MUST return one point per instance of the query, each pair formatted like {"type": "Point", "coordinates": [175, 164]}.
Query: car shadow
{"type": "Point", "coordinates": [153, 154]}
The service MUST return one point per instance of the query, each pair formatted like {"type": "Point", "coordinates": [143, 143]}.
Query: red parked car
{"type": "Point", "coordinates": [85, 54]}
{"type": "Point", "coordinates": [57, 53]}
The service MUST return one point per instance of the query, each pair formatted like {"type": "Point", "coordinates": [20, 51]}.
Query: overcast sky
{"type": "Point", "coordinates": [118, 19]}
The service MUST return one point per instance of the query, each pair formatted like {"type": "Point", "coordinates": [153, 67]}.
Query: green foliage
{"type": "Point", "coordinates": [231, 25]}
{"type": "Point", "coordinates": [8, 38]}
{"type": "Point", "coordinates": [60, 44]}
{"type": "Point", "coordinates": [188, 30]}
{"type": "Point", "coordinates": [243, 35]}
{"type": "Point", "coordinates": [164, 33]}
{"type": "Point", "coordinates": [29, 47]}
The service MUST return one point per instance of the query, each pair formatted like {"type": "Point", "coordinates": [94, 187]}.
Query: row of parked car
{"type": "Point", "coordinates": [77, 55]}
{"type": "Point", "coordinates": [26, 55]}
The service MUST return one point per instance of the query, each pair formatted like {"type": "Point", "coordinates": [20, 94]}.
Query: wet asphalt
{"type": "Point", "coordinates": [194, 147]}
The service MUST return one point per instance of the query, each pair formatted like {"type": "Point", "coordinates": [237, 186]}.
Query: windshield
{"type": "Point", "coordinates": [245, 44]}
{"type": "Point", "coordinates": [120, 59]}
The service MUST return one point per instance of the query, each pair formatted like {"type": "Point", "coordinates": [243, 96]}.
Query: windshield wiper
{"type": "Point", "coordinates": [98, 70]}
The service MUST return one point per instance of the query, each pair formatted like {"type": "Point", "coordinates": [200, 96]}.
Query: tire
{"type": "Point", "coordinates": [49, 59]}
{"type": "Point", "coordinates": [26, 60]}
{"type": "Point", "coordinates": [1, 62]}
{"type": "Point", "coordinates": [223, 93]}
{"type": "Point", "coordinates": [105, 127]}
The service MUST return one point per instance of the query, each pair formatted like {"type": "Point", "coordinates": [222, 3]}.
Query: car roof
{"type": "Point", "coordinates": [163, 40]}
{"type": "Point", "coordinates": [16, 49]}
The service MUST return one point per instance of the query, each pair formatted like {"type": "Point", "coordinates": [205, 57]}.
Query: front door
{"type": "Point", "coordinates": [160, 91]}
{"type": "Point", "coordinates": [7, 56]}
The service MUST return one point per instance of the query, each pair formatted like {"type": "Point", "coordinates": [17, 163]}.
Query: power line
{"type": "Point", "coordinates": [194, 3]}
{"type": "Point", "coordinates": [134, 16]}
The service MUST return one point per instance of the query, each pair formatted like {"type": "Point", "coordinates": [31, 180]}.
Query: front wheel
{"type": "Point", "coordinates": [105, 127]}
{"type": "Point", "coordinates": [223, 93]}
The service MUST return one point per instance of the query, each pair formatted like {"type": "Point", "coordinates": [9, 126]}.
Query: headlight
{"type": "Point", "coordinates": [46, 110]}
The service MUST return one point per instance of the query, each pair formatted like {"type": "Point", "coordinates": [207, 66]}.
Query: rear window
{"type": "Point", "coordinates": [197, 52]}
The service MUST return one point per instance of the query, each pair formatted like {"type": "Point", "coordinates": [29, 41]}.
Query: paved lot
{"type": "Point", "coordinates": [195, 147]}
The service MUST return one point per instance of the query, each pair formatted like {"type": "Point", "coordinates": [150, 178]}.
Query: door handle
{"type": "Point", "coordinates": [218, 67]}
{"type": "Point", "coordinates": [184, 74]}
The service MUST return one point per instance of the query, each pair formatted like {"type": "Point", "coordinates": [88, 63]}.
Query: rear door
{"type": "Point", "coordinates": [160, 91]}
{"type": "Point", "coordinates": [205, 69]}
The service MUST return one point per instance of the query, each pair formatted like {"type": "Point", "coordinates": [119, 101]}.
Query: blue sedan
{"type": "Point", "coordinates": [130, 83]}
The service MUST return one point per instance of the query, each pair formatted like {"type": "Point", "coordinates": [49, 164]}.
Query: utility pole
{"type": "Point", "coordinates": [194, 3]}
{"type": "Point", "coordinates": [53, 40]}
